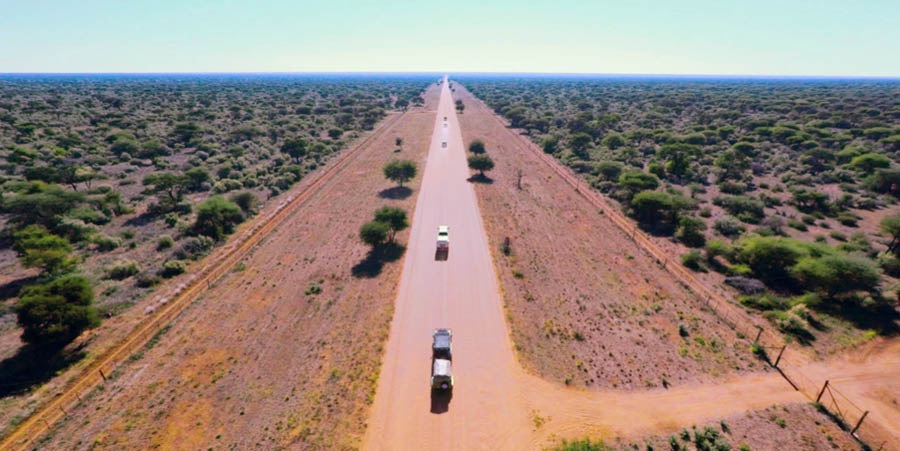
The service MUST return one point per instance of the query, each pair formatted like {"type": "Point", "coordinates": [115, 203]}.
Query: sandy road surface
{"type": "Point", "coordinates": [495, 404]}
{"type": "Point", "coordinates": [486, 410]}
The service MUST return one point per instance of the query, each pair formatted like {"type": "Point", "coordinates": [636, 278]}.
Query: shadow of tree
{"type": "Point", "coordinates": [480, 178]}
{"type": "Point", "coordinates": [11, 289]}
{"type": "Point", "coordinates": [32, 366]}
{"type": "Point", "coordinates": [396, 193]}
{"type": "Point", "coordinates": [372, 265]}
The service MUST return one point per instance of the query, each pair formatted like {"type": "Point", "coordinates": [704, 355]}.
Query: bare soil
{"type": "Point", "coordinates": [585, 305]}
{"type": "Point", "coordinates": [790, 426]}
{"type": "Point", "coordinates": [284, 352]}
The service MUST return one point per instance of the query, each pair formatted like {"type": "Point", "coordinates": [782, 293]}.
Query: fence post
{"type": "Point", "coordinates": [779, 356]}
{"type": "Point", "coordinates": [102, 375]}
{"type": "Point", "coordinates": [822, 392]}
{"type": "Point", "coordinates": [859, 423]}
{"type": "Point", "coordinates": [758, 333]}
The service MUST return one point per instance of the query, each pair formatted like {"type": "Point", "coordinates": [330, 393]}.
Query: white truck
{"type": "Point", "coordinates": [441, 358]}
{"type": "Point", "coordinates": [443, 242]}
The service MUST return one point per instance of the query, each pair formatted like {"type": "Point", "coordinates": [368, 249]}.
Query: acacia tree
{"type": "Point", "coordinates": [890, 225]}
{"type": "Point", "coordinates": [296, 148]}
{"type": "Point", "coordinates": [374, 233]}
{"type": "Point", "coordinates": [38, 248]}
{"type": "Point", "coordinates": [216, 217]}
{"type": "Point", "coordinates": [481, 163]}
{"type": "Point", "coordinates": [400, 171]}
{"type": "Point", "coordinates": [394, 217]}
{"type": "Point", "coordinates": [54, 314]}
{"type": "Point", "coordinates": [476, 146]}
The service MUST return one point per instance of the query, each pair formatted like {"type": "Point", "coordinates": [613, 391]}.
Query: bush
{"type": "Point", "coordinates": [395, 218]}
{"type": "Point", "coordinates": [147, 280]}
{"type": "Point", "coordinates": [476, 146]}
{"type": "Point", "coordinates": [374, 233]}
{"type": "Point", "coordinates": [745, 208]}
{"type": "Point", "coordinates": [122, 270]}
{"type": "Point", "coordinates": [693, 260]}
{"type": "Point", "coordinates": [771, 258]}
{"type": "Point", "coordinates": [56, 313]}
{"type": "Point", "coordinates": [164, 242]}
{"type": "Point", "coordinates": [836, 274]}
{"type": "Point", "coordinates": [246, 201]}
{"type": "Point", "coordinates": [172, 268]}
{"type": "Point", "coordinates": [216, 217]}
{"type": "Point", "coordinates": [194, 247]}
{"type": "Point", "coordinates": [729, 227]}
{"type": "Point", "coordinates": [690, 231]}
{"type": "Point", "coordinates": [764, 302]}
{"type": "Point", "coordinates": [38, 248]}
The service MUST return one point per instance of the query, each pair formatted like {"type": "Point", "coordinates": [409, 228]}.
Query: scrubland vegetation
{"type": "Point", "coordinates": [111, 184]}
{"type": "Point", "coordinates": [789, 187]}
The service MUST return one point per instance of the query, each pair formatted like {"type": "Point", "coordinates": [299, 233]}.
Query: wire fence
{"type": "Point", "coordinates": [767, 344]}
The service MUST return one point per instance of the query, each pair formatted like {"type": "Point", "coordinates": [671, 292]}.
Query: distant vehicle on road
{"type": "Point", "coordinates": [441, 359]}
{"type": "Point", "coordinates": [445, 118]}
{"type": "Point", "coordinates": [444, 145]}
{"type": "Point", "coordinates": [443, 242]}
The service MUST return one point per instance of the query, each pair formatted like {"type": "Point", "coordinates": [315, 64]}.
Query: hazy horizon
{"type": "Point", "coordinates": [828, 38]}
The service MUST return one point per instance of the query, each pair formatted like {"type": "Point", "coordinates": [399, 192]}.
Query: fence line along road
{"type": "Point", "coordinates": [769, 342]}
{"type": "Point", "coordinates": [215, 266]}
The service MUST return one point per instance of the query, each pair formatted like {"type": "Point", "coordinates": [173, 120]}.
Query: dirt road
{"type": "Point", "coordinates": [495, 404]}
{"type": "Point", "coordinates": [486, 410]}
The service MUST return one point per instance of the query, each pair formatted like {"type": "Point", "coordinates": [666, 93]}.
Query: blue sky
{"type": "Point", "coordinates": [762, 37]}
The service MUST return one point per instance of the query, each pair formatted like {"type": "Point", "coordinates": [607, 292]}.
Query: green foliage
{"type": "Point", "coordinates": [40, 203]}
{"type": "Point", "coordinates": [890, 226]}
{"type": "Point", "coordinates": [868, 162]}
{"type": "Point", "coordinates": [884, 181]}
{"type": "Point", "coordinates": [477, 146]}
{"type": "Point", "coordinates": [38, 248]}
{"type": "Point", "coordinates": [216, 217]}
{"type": "Point", "coordinates": [481, 163]}
{"type": "Point", "coordinates": [246, 201]}
{"type": "Point", "coordinates": [609, 170]}
{"type": "Point", "coordinates": [658, 210]}
{"type": "Point", "coordinates": [635, 181]}
{"type": "Point", "coordinates": [296, 148]}
{"type": "Point", "coordinates": [172, 268]}
{"type": "Point", "coordinates": [771, 258]}
{"type": "Point", "coordinates": [693, 260]}
{"type": "Point", "coordinates": [690, 231]}
{"type": "Point", "coordinates": [394, 217]}
{"type": "Point", "coordinates": [584, 444]}
{"type": "Point", "coordinates": [122, 270]}
{"type": "Point", "coordinates": [55, 313]}
{"type": "Point", "coordinates": [374, 233]}
{"type": "Point", "coordinates": [836, 274]}
{"type": "Point", "coordinates": [745, 208]}
{"type": "Point", "coordinates": [400, 171]}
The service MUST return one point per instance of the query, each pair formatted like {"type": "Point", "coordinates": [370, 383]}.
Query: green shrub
{"type": "Point", "coordinates": [216, 217]}
{"type": "Point", "coordinates": [122, 270]}
{"type": "Point", "coordinates": [164, 242]}
{"type": "Point", "coordinates": [55, 313]}
{"type": "Point", "coordinates": [172, 268]}
{"type": "Point", "coordinates": [692, 260]}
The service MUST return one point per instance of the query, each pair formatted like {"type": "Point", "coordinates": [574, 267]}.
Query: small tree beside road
{"type": "Point", "coordinates": [400, 171]}
{"type": "Point", "coordinates": [481, 163]}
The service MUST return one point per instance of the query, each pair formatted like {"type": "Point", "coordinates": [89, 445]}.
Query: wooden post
{"type": "Point", "coordinates": [779, 356]}
{"type": "Point", "coordinates": [519, 179]}
{"type": "Point", "coordinates": [822, 392]}
{"type": "Point", "coordinates": [859, 423]}
{"type": "Point", "coordinates": [758, 333]}
{"type": "Point", "coordinates": [102, 375]}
